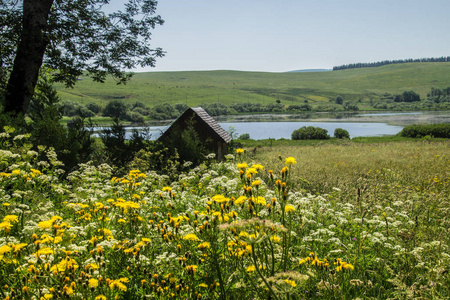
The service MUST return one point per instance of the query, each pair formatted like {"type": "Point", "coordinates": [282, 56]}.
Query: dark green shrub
{"type": "Point", "coordinates": [440, 130]}
{"type": "Point", "coordinates": [94, 107]}
{"type": "Point", "coordinates": [73, 145]}
{"type": "Point", "coordinates": [349, 106]}
{"type": "Point", "coordinates": [135, 117]}
{"type": "Point", "coordinates": [115, 109]}
{"type": "Point", "coordinates": [310, 133]}
{"type": "Point", "coordinates": [244, 136]}
{"type": "Point", "coordinates": [341, 133]}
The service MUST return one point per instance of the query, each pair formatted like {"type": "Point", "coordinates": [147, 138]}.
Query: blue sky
{"type": "Point", "coordinates": [284, 35]}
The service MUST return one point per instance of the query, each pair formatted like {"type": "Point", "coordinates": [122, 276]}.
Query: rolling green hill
{"type": "Point", "coordinates": [196, 87]}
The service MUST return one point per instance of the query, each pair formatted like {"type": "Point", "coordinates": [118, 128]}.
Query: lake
{"type": "Point", "coordinates": [360, 124]}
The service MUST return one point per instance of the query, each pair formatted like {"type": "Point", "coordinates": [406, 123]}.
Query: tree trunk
{"type": "Point", "coordinates": [29, 56]}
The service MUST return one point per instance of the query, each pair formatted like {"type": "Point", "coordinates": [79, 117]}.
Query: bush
{"type": "Point", "coordinates": [341, 133]}
{"type": "Point", "coordinates": [310, 133]}
{"type": "Point", "coordinates": [440, 130]}
{"type": "Point", "coordinates": [349, 106]}
{"type": "Point", "coordinates": [135, 117]}
{"type": "Point", "coordinates": [115, 109]}
{"type": "Point", "coordinates": [94, 107]}
{"type": "Point", "coordinates": [244, 136]}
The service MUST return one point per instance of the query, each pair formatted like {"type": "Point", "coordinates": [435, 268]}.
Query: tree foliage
{"type": "Point", "coordinates": [310, 133]}
{"type": "Point", "coordinates": [71, 37]}
{"type": "Point", "coordinates": [341, 133]}
{"type": "Point", "coordinates": [390, 62]}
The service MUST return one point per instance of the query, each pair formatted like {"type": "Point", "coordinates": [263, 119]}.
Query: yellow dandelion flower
{"type": "Point", "coordinates": [242, 166]}
{"type": "Point", "coordinates": [167, 189]}
{"type": "Point", "coordinates": [44, 251]}
{"type": "Point", "coordinates": [258, 167]}
{"type": "Point", "coordinates": [5, 249]}
{"type": "Point", "coordinates": [290, 161]}
{"type": "Point", "coordinates": [251, 171]}
{"type": "Point", "coordinates": [5, 226]}
{"type": "Point", "coordinates": [256, 183]}
{"type": "Point", "coordinates": [275, 238]}
{"type": "Point", "coordinates": [251, 269]}
{"type": "Point", "coordinates": [219, 198]}
{"type": "Point", "coordinates": [191, 269]}
{"type": "Point", "coordinates": [100, 297]}
{"type": "Point", "coordinates": [290, 282]}
{"type": "Point", "coordinates": [11, 219]}
{"type": "Point", "coordinates": [93, 283]}
{"type": "Point", "coordinates": [18, 247]}
{"type": "Point", "coordinates": [239, 150]}
{"type": "Point", "coordinates": [190, 237]}
{"type": "Point", "coordinates": [289, 208]}
{"type": "Point", "coordinates": [240, 200]}
{"type": "Point", "coordinates": [204, 245]}
{"type": "Point", "coordinates": [259, 200]}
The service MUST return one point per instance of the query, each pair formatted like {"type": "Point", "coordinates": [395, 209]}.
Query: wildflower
{"type": "Point", "coordinates": [252, 171]}
{"type": "Point", "coordinates": [204, 245]}
{"type": "Point", "coordinates": [5, 249]}
{"type": "Point", "coordinates": [192, 269]}
{"type": "Point", "coordinates": [258, 167]}
{"type": "Point", "coordinates": [259, 200]}
{"type": "Point", "coordinates": [190, 237]}
{"type": "Point", "coordinates": [18, 247]}
{"type": "Point", "coordinates": [240, 200]}
{"type": "Point", "coordinates": [44, 251]}
{"type": "Point", "coordinates": [167, 189]}
{"type": "Point", "coordinates": [100, 297]}
{"type": "Point", "coordinates": [275, 238]}
{"type": "Point", "coordinates": [256, 183]}
{"type": "Point", "coordinates": [93, 283]}
{"type": "Point", "coordinates": [11, 218]}
{"type": "Point", "coordinates": [289, 208]}
{"type": "Point", "coordinates": [290, 161]}
{"type": "Point", "coordinates": [239, 150]}
{"type": "Point", "coordinates": [6, 226]}
{"type": "Point", "coordinates": [242, 166]}
{"type": "Point", "coordinates": [219, 198]}
{"type": "Point", "coordinates": [290, 282]}
{"type": "Point", "coordinates": [251, 269]}
{"type": "Point", "coordinates": [119, 283]}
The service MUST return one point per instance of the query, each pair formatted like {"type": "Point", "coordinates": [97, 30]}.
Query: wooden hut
{"type": "Point", "coordinates": [213, 138]}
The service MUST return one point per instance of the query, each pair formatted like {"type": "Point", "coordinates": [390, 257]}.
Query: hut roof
{"type": "Point", "coordinates": [216, 129]}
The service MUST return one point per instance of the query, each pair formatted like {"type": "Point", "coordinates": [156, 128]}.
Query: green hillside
{"type": "Point", "coordinates": [228, 87]}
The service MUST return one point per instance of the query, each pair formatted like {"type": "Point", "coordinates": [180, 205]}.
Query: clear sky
{"type": "Point", "coordinates": [285, 35]}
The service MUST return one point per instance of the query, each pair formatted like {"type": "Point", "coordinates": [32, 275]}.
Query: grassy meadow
{"type": "Point", "coordinates": [228, 87]}
{"type": "Point", "coordinates": [325, 221]}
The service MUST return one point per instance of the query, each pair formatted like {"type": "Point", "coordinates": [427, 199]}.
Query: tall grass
{"type": "Point", "coordinates": [323, 222]}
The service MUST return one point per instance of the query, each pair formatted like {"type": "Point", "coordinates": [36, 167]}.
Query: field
{"type": "Point", "coordinates": [228, 87]}
{"type": "Point", "coordinates": [331, 221]}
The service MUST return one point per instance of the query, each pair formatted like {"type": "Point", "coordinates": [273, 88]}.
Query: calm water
{"type": "Point", "coordinates": [278, 130]}
{"type": "Point", "coordinates": [369, 124]}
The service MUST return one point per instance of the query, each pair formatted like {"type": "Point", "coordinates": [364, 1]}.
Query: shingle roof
{"type": "Point", "coordinates": [212, 123]}
{"type": "Point", "coordinates": [207, 119]}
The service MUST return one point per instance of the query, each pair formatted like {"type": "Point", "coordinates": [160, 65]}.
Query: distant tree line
{"type": "Point", "coordinates": [136, 112]}
{"type": "Point", "coordinates": [437, 99]}
{"type": "Point", "coordinates": [390, 62]}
